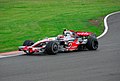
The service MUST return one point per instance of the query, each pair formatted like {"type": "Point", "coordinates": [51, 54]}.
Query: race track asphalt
{"type": "Point", "coordinates": [100, 65]}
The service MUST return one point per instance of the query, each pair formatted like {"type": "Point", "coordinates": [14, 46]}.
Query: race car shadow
{"type": "Point", "coordinates": [36, 54]}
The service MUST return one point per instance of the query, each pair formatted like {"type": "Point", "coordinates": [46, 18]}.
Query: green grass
{"type": "Point", "coordinates": [36, 19]}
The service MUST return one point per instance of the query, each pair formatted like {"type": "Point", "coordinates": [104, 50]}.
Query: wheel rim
{"type": "Point", "coordinates": [55, 48]}
{"type": "Point", "coordinates": [95, 44]}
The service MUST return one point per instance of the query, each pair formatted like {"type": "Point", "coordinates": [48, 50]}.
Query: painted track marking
{"type": "Point", "coordinates": [106, 25]}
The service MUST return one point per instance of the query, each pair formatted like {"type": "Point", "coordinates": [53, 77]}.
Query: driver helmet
{"type": "Point", "coordinates": [68, 33]}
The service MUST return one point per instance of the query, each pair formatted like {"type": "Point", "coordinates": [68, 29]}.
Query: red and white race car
{"type": "Point", "coordinates": [69, 41]}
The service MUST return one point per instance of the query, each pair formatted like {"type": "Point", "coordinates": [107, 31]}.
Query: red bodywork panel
{"type": "Point", "coordinates": [80, 33]}
{"type": "Point", "coordinates": [83, 33]}
{"type": "Point", "coordinates": [25, 48]}
{"type": "Point", "coordinates": [73, 45]}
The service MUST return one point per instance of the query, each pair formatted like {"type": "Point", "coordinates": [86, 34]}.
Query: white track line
{"type": "Point", "coordinates": [10, 55]}
{"type": "Point", "coordinates": [106, 25]}
{"type": "Point", "coordinates": [105, 31]}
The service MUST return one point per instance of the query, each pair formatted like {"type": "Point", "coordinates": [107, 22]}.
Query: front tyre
{"type": "Point", "coordinates": [28, 43]}
{"type": "Point", "coordinates": [52, 48]}
{"type": "Point", "coordinates": [92, 43]}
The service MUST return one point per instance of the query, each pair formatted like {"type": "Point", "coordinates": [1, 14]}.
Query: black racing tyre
{"type": "Point", "coordinates": [92, 43]}
{"type": "Point", "coordinates": [52, 48]}
{"type": "Point", "coordinates": [28, 43]}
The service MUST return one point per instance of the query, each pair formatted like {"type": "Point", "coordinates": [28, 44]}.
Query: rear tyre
{"type": "Point", "coordinates": [28, 43]}
{"type": "Point", "coordinates": [92, 43]}
{"type": "Point", "coordinates": [52, 48]}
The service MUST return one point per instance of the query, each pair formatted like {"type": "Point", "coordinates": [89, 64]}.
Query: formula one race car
{"type": "Point", "coordinates": [69, 41]}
